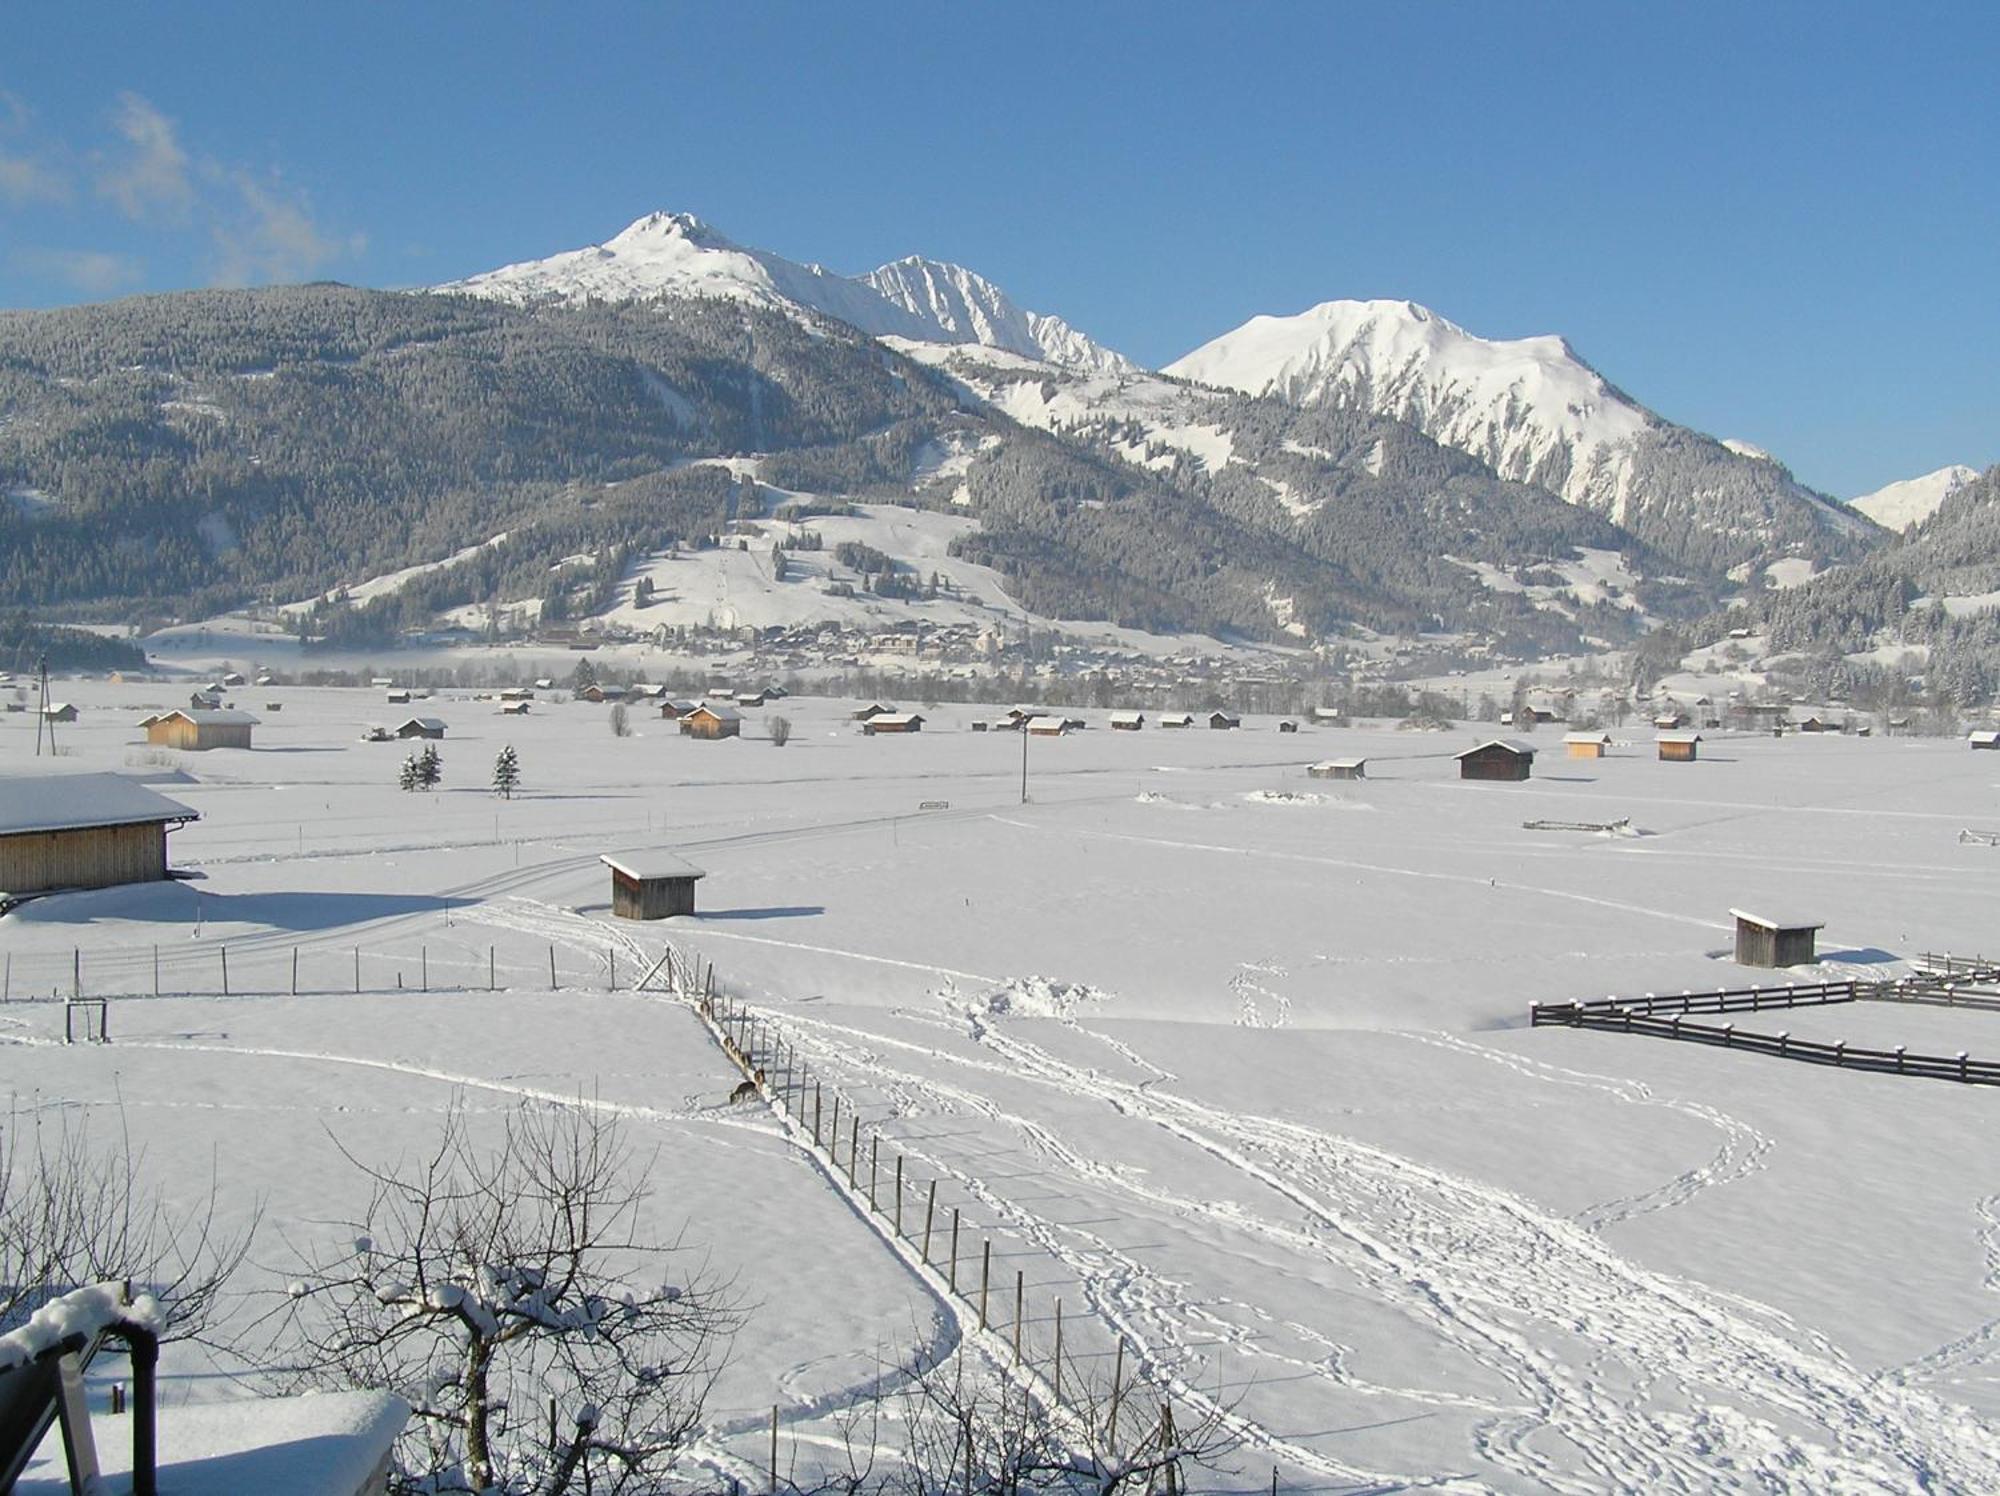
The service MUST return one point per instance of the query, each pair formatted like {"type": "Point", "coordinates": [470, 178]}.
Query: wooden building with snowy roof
{"type": "Point", "coordinates": [651, 885]}
{"type": "Point", "coordinates": [1497, 759]}
{"type": "Point", "coordinates": [82, 831]}
{"type": "Point", "coordinates": [198, 729]}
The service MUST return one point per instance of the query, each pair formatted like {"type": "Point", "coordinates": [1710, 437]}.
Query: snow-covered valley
{"type": "Point", "coordinates": [1233, 1062]}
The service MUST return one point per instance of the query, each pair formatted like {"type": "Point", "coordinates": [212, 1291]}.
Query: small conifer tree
{"type": "Point", "coordinates": [506, 773]}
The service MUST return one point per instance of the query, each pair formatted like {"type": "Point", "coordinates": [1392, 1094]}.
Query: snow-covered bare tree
{"type": "Point", "coordinates": [75, 1211]}
{"type": "Point", "coordinates": [519, 1296]}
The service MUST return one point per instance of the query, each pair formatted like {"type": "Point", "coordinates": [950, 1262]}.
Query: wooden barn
{"type": "Point", "coordinates": [60, 711]}
{"type": "Point", "coordinates": [82, 831]}
{"type": "Point", "coordinates": [1224, 721]}
{"type": "Point", "coordinates": [1774, 939]}
{"type": "Point", "coordinates": [893, 722]}
{"type": "Point", "coordinates": [1679, 747]}
{"type": "Point", "coordinates": [513, 708]}
{"type": "Point", "coordinates": [707, 721]}
{"type": "Point", "coordinates": [420, 727]}
{"type": "Point", "coordinates": [1983, 739]}
{"type": "Point", "coordinates": [1288, 726]}
{"type": "Point", "coordinates": [1497, 759]}
{"type": "Point", "coordinates": [1586, 744]}
{"type": "Point", "coordinates": [1178, 719]}
{"type": "Point", "coordinates": [873, 709]}
{"type": "Point", "coordinates": [1127, 721]}
{"type": "Point", "coordinates": [672, 710]}
{"type": "Point", "coordinates": [199, 730]}
{"type": "Point", "coordinates": [1339, 768]}
{"type": "Point", "coordinates": [651, 885]}
{"type": "Point", "coordinates": [1047, 727]}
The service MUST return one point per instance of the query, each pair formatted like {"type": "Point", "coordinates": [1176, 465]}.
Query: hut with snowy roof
{"type": "Point", "coordinates": [198, 729]}
{"type": "Point", "coordinates": [421, 727]}
{"type": "Point", "coordinates": [1504, 759]}
{"type": "Point", "coordinates": [1586, 744]}
{"type": "Point", "coordinates": [651, 885]}
{"type": "Point", "coordinates": [1339, 768]}
{"type": "Point", "coordinates": [83, 831]}
{"type": "Point", "coordinates": [709, 721]}
{"type": "Point", "coordinates": [1679, 747]}
{"type": "Point", "coordinates": [1775, 938]}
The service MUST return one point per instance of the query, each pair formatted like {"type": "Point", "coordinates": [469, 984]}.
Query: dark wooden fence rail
{"type": "Point", "coordinates": [1944, 982]}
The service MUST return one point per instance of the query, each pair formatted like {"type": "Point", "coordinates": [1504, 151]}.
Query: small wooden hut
{"type": "Point", "coordinates": [1178, 720]}
{"type": "Point", "coordinates": [198, 730]}
{"type": "Point", "coordinates": [707, 721]}
{"type": "Point", "coordinates": [420, 727]}
{"type": "Point", "coordinates": [1503, 759]}
{"type": "Point", "coordinates": [1679, 747]}
{"type": "Point", "coordinates": [1339, 768]}
{"type": "Point", "coordinates": [1774, 939]}
{"type": "Point", "coordinates": [651, 885]}
{"type": "Point", "coordinates": [893, 722]}
{"type": "Point", "coordinates": [1224, 721]}
{"type": "Point", "coordinates": [1047, 727]}
{"type": "Point", "coordinates": [1127, 721]}
{"type": "Point", "coordinates": [1984, 738]}
{"type": "Point", "coordinates": [1586, 744]}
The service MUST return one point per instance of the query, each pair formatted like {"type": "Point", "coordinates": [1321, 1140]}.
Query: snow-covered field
{"type": "Point", "coordinates": [1233, 1061]}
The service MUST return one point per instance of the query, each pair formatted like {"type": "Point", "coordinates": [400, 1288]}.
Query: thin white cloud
{"type": "Point", "coordinates": [26, 176]}
{"type": "Point", "coordinates": [150, 175]}
{"type": "Point", "coordinates": [270, 234]}
{"type": "Point", "coordinates": [96, 272]}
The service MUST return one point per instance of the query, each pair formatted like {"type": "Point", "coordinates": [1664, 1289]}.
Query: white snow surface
{"type": "Point", "coordinates": [1241, 1077]}
{"type": "Point", "coordinates": [1898, 506]}
{"type": "Point", "coordinates": [676, 254]}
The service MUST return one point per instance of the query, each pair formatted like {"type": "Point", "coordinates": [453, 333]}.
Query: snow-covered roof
{"type": "Point", "coordinates": [648, 866]}
{"type": "Point", "coordinates": [1778, 918]}
{"type": "Point", "coordinates": [427, 724]}
{"type": "Point", "coordinates": [211, 715]}
{"type": "Point", "coordinates": [65, 802]}
{"type": "Point", "coordinates": [720, 713]}
{"type": "Point", "coordinates": [1512, 745]}
{"type": "Point", "coordinates": [1680, 737]}
{"type": "Point", "coordinates": [1128, 716]}
{"type": "Point", "coordinates": [1983, 735]}
{"type": "Point", "coordinates": [900, 719]}
{"type": "Point", "coordinates": [1340, 763]}
{"type": "Point", "coordinates": [1602, 739]}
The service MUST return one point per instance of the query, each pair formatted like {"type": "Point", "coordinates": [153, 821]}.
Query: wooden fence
{"type": "Point", "coordinates": [908, 1212]}
{"type": "Point", "coordinates": [1944, 981]}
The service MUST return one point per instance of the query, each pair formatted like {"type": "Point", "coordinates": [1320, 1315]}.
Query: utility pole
{"type": "Point", "coordinates": [1023, 730]}
{"type": "Point", "coordinates": [44, 720]}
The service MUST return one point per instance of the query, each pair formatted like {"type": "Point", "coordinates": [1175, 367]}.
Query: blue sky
{"type": "Point", "coordinates": [1773, 222]}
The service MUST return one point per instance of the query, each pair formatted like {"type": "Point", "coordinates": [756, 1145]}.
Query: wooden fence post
{"type": "Point", "coordinates": [985, 1273]}
{"type": "Point", "coordinates": [1018, 1291]}
{"type": "Point", "coordinates": [612, 985]}
{"type": "Point", "coordinates": [1055, 1381]}
{"type": "Point", "coordinates": [833, 1136]}
{"type": "Point", "coordinates": [930, 1209]}
{"type": "Point", "coordinates": [357, 971]}
{"type": "Point", "coordinates": [489, 970]}
{"type": "Point", "coordinates": [874, 1158]}
{"type": "Point", "coordinates": [899, 1196]}
{"type": "Point", "coordinates": [424, 967]}
{"type": "Point", "coordinates": [954, 1249]}
{"type": "Point", "coordinates": [156, 970]}
{"type": "Point", "coordinates": [76, 971]}
{"type": "Point", "coordinates": [1117, 1387]}
{"type": "Point", "coordinates": [552, 966]}
{"type": "Point", "coordinates": [295, 971]}
{"type": "Point", "coordinates": [774, 1449]}
{"type": "Point", "coordinates": [816, 1114]}
{"type": "Point", "coordinates": [853, 1145]}
{"type": "Point", "coordinates": [225, 969]}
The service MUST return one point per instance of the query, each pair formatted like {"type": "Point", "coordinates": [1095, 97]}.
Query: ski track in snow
{"type": "Point", "coordinates": [1682, 1388]}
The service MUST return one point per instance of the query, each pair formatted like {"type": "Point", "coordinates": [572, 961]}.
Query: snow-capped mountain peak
{"type": "Point", "coordinates": [1913, 500]}
{"type": "Point", "coordinates": [1527, 406]}
{"type": "Point", "coordinates": [678, 254]}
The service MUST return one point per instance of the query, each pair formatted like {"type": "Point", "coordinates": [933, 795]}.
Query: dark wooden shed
{"type": "Point", "coordinates": [421, 727]}
{"type": "Point", "coordinates": [1774, 939]}
{"type": "Point", "coordinates": [1497, 758]}
{"type": "Point", "coordinates": [82, 831]}
{"type": "Point", "coordinates": [1679, 747]}
{"type": "Point", "coordinates": [707, 721]}
{"type": "Point", "coordinates": [651, 885]}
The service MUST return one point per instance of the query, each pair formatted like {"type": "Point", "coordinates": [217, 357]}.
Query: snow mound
{"type": "Point", "coordinates": [1284, 797]}
{"type": "Point", "coordinates": [1037, 997]}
